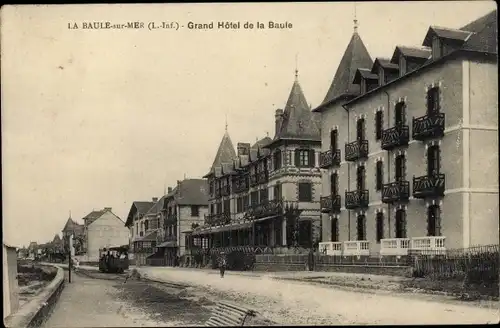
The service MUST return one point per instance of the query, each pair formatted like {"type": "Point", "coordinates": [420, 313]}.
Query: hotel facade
{"type": "Point", "coordinates": [410, 145]}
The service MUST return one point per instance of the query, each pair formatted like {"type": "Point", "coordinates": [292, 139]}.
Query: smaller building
{"type": "Point", "coordinates": [103, 229]}
{"type": "Point", "coordinates": [10, 285]}
{"type": "Point", "coordinates": [138, 228]}
{"type": "Point", "coordinates": [77, 230]}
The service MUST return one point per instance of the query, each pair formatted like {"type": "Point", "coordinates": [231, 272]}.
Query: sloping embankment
{"type": "Point", "coordinates": [38, 308]}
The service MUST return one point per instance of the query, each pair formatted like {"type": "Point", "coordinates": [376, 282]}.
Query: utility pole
{"type": "Point", "coordinates": [70, 257]}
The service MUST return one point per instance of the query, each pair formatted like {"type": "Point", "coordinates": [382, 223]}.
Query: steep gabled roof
{"type": "Point", "coordinates": [445, 33]}
{"type": "Point", "coordinates": [56, 239]}
{"type": "Point", "coordinates": [72, 226]}
{"type": "Point", "coordinates": [192, 192]}
{"type": "Point", "coordinates": [138, 207]}
{"type": "Point", "coordinates": [299, 123]}
{"type": "Point", "coordinates": [225, 152]}
{"type": "Point", "coordinates": [156, 208]}
{"type": "Point", "coordinates": [355, 56]}
{"type": "Point", "coordinates": [485, 34]}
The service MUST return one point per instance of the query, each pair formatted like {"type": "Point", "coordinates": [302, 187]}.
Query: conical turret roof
{"type": "Point", "coordinates": [225, 153]}
{"type": "Point", "coordinates": [355, 56]}
{"type": "Point", "coordinates": [298, 120]}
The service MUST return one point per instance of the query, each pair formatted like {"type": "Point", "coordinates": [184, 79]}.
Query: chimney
{"type": "Point", "coordinates": [155, 199]}
{"type": "Point", "coordinates": [278, 119]}
{"type": "Point", "coordinates": [107, 209]}
{"type": "Point", "coordinates": [243, 148]}
{"type": "Point", "coordinates": [169, 190]}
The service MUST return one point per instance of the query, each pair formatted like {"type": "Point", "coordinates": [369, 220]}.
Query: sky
{"type": "Point", "coordinates": [102, 118]}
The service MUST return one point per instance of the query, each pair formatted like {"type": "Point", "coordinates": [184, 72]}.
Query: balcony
{"type": "Point", "coordinates": [429, 186]}
{"type": "Point", "coordinates": [171, 219]}
{"type": "Point", "coordinates": [395, 192]}
{"type": "Point", "coordinates": [331, 248]}
{"type": "Point", "coordinates": [356, 150]}
{"type": "Point", "coordinates": [225, 190]}
{"type": "Point", "coordinates": [269, 208]}
{"type": "Point", "coordinates": [431, 245]}
{"type": "Point", "coordinates": [253, 180]}
{"type": "Point", "coordinates": [262, 177]}
{"type": "Point", "coordinates": [356, 248]}
{"type": "Point", "coordinates": [217, 219]}
{"type": "Point", "coordinates": [428, 126]}
{"type": "Point", "coordinates": [329, 158]}
{"type": "Point", "coordinates": [396, 136]}
{"type": "Point", "coordinates": [240, 186]}
{"type": "Point", "coordinates": [394, 246]}
{"type": "Point", "coordinates": [330, 204]}
{"type": "Point", "coordinates": [356, 199]}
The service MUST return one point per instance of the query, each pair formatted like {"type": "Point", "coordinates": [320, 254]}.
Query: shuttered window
{"type": "Point", "coordinates": [304, 158]}
{"type": "Point", "coordinates": [334, 183]}
{"type": "Point", "coordinates": [277, 191]}
{"type": "Point", "coordinates": [379, 116]}
{"type": "Point", "coordinates": [433, 101]}
{"type": "Point", "coordinates": [379, 175]}
{"type": "Point", "coordinates": [305, 192]}
{"type": "Point", "coordinates": [433, 154]}
{"type": "Point", "coordinates": [434, 220]}
{"type": "Point", "coordinates": [379, 226]}
{"type": "Point", "coordinates": [334, 134]}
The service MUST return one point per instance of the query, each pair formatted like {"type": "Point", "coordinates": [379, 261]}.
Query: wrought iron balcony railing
{"type": "Point", "coordinates": [356, 199]}
{"type": "Point", "coordinates": [253, 180]}
{"type": "Point", "coordinates": [268, 208]}
{"type": "Point", "coordinates": [396, 136]}
{"type": "Point", "coordinates": [429, 186]}
{"type": "Point", "coordinates": [356, 150]}
{"type": "Point", "coordinates": [330, 204]}
{"type": "Point", "coordinates": [225, 190]}
{"type": "Point", "coordinates": [218, 219]}
{"type": "Point", "coordinates": [428, 126]}
{"type": "Point", "coordinates": [395, 191]}
{"type": "Point", "coordinates": [240, 186]}
{"type": "Point", "coordinates": [329, 158]}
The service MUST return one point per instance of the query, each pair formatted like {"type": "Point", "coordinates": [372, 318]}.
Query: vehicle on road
{"type": "Point", "coordinates": [113, 259]}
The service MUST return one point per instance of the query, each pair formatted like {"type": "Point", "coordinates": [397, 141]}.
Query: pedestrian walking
{"type": "Point", "coordinates": [222, 264]}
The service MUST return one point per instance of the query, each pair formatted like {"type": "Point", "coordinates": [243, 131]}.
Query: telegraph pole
{"type": "Point", "coordinates": [70, 258]}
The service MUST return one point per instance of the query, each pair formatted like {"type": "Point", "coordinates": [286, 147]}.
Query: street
{"type": "Point", "coordinates": [296, 303]}
{"type": "Point", "coordinates": [109, 302]}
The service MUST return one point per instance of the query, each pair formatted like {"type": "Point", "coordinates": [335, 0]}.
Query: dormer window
{"type": "Point", "coordinates": [402, 65]}
{"type": "Point", "coordinates": [444, 40]}
{"type": "Point", "coordinates": [437, 48]}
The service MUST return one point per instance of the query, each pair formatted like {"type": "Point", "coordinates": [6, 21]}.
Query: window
{"type": "Point", "coordinates": [264, 195]}
{"type": "Point", "coordinates": [335, 229]}
{"type": "Point", "coordinates": [334, 136]}
{"type": "Point", "coordinates": [380, 226]}
{"type": "Point", "coordinates": [379, 123]}
{"type": "Point", "coordinates": [254, 197]}
{"type": "Point", "coordinates": [277, 191]}
{"type": "Point", "coordinates": [379, 175]}
{"type": "Point", "coordinates": [212, 209]}
{"type": "Point", "coordinates": [399, 113]}
{"type": "Point", "coordinates": [433, 154]}
{"type": "Point", "coordinates": [239, 204]}
{"type": "Point", "coordinates": [195, 210]}
{"type": "Point", "coordinates": [227, 206]}
{"type": "Point", "coordinates": [186, 241]}
{"type": "Point", "coordinates": [334, 183]}
{"type": "Point", "coordinates": [360, 227]}
{"type": "Point", "coordinates": [277, 159]}
{"type": "Point", "coordinates": [245, 202]}
{"type": "Point", "coordinates": [433, 101]}
{"type": "Point", "coordinates": [304, 158]}
{"type": "Point", "coordinates": [219, 208]}
{"type": "Point", "coordinates": [400, 223]}
{"type": "Point", "coordinates": [360, 178]}
{"type": "Point", "coordinates": [400, 168]}
{"type": "Point", "coordinates": [434, 221]}
{"type": "Point", "coordinates": [305, 192]}
{"type": "Point", "coordinates": [136, 227]}
{"type": "Point", "coordinates": [146, 225]}
{"type": "Point", "coordinates": [360, 129]}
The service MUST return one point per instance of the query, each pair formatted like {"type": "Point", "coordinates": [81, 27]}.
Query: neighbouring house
{"type": "Point", "coordinates": [102, 230]}
{"type": "Point", "coordinates": [32, 249]}
{"type": "Point", "coordinates": [135, 223]}
{"type": "Point", "coordinates": [23, 253]}
{"type": "Point", "coordinates": [184, 206]}
{"type": "Point", "coordinates": [77, 230]}
{"type": "Point", "coordinates": [420, 160]}
{"type": "Point", "coordinates": [57, 244]}
{"type": "Point", "coordinates": [266, 195]}
{"type": "Point", "coordinates": [10, 285]}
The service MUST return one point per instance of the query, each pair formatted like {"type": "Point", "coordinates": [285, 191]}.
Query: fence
{"type": "Point", "coordinates": [476, 267]}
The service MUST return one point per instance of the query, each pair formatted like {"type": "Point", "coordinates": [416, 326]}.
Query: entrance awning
{"type": "Point", "coordinates": [170, 243]}
{"type": "Point", "coordinates": [229, 227]}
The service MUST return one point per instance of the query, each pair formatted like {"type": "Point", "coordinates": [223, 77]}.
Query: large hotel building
{"type": "Point", "coordinates": [410, 145]}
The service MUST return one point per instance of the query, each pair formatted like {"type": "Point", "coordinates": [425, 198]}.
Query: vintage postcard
{"type": "Point", "coordinates": [239, 164]}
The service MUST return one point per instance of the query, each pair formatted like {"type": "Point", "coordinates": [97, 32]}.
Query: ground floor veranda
{"type": "Point", "coordinates": [275, 232]}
